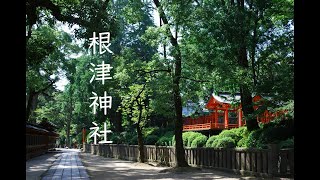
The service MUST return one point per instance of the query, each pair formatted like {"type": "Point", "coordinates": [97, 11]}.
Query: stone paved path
{"type": "Point", "coordinates": [67, 166]}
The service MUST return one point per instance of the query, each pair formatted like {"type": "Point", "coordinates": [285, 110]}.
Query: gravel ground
{"type": "Point", "coordinates": [99, 167]}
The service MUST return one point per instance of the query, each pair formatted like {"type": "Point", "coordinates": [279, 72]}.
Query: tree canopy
{"type": "Point", "coordinates": [200, 47]}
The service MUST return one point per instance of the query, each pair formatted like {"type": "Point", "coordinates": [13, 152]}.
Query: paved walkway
{"type": "Point", "coordinates": [36, 166]}
{"type": "Point", "coordinates": [67, 166]}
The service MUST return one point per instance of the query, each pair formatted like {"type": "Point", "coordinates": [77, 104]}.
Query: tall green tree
{"type": "Point", "coordinates": [244, 46]}
{"type": "Point", "coordinates": [46, 52]}
{"type": "Point", "coordinates": [91, 16]}
{"type": "Point", "coordinates": [176, 76]}
{"type": "Point", "coordinates": [136, 104]}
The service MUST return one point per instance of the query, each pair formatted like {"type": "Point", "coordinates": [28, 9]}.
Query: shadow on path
{"type": "Point", "coordinates": [36, 166]}
{"type": "Point", "coordinates": [99, 167]}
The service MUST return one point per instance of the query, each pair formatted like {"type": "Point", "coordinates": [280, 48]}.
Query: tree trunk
{"type": "Point", "coordinates": [179, 150]}
{"type": "Point", "coordinates": [246, 97]}
{"type": "Point", "coordinates": [253, 51]}
{"type": "Point", "coordinates": [68, 134]}
{"type": "Point", "coordinates": [247, 108]}
{"type": "Point", "coordinates": [180, 154]}
{"type": "Point", "coordinates": [31, 103]}
{"type": "Point", "coordinates": [33, 95]}
{"type": "Point", "coordinates": [70, 109]}
{"type": "Point", "coordinates": [33, 107]}
{"type": "Point", "coordinates": [140, 137]}
{"type": "Point", "coordinates": [118, 121]}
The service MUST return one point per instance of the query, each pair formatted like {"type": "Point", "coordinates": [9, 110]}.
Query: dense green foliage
{"type": "Point", "coordinates": [195, 138]}
{"type": "Point", "coordinates": [288, 143]}
{"type": "Point", "coordinates": [201, 47]}
{"type": "Point", "coordinates": [199, 141]}
{"type": "Point", "coordinates": [228, 138]}
{"type": "Point", "coordinates": [151, 140]}
{"type": "Point", "coordinates": [192, 137]}
{"type": "Point", "coordinates": [166, 139]}
{"type": "Point", "coordinates": [224, 142]}
{"type": "Point", "coordinates": [273, 132]}
{"type": "Point", "coordinates": [211, 140]}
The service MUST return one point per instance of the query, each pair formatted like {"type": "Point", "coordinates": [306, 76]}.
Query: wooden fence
{"type": "Point", "coordinates": [259, 162]}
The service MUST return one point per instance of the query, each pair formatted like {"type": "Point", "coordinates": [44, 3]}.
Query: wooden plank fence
{"type": "Point", "coordinates": [259, 162]}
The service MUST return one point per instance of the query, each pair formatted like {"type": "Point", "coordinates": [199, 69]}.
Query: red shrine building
{"type": "Point", "coordinates": [224, 114]}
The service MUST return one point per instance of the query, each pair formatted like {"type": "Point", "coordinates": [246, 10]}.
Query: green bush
{"type": "Point", "coordinates": [150, 131]}
{"type": "Point", "coordinates": [191, 137]}
{"type": "Point", "coordinates": [173, 140]}
{"type": "Point", "coordinates": [62, 140]}
{"type": "Point", "coordinates": [185, 137]}
{"type": "Point", "coordinates": [228, 133]}
{"type": "Point", "coordinates": [241, 132]}
{"type": "Point", "coordinates": [288, 143]}
{"type": "Point", "coordinates": [116, 138]}
{"type": "Point", "coordinates": [236, 133]}
{"type": "Point", "coordinates": [89, 139]}
{"type": "Point", "coordinates": [253, 139]}
{"type": "Point", "coordinates": [210, 141]}
{"type": "Point", "coordinates": [151, 140]}
{"type": "Point", "coordinates": [224, 142]}
{"type": "Point", "coordinates": [199, 141]}
{"type": "Point", "coordinates": [134, 140]}
{"type": "Point", "coordinates": [242, 142]}
{"type": "Point", "coordinates": [166, 139]}
{"type": "Point", "coordinates": [275, 134]}
{"type": "Point", "coordinates": [79, 138]}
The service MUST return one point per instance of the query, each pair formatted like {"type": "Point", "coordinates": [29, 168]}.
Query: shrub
{"type": "Point", "coordinates": [228, 133]}
{"type": "Point", "coordinates": [126, 136]}
{"type": "Point", "coordinates": [288, 143]}
{"type": "Point", "coordinates": [210, 141]}
{"type": "Point", "coordinates": [199, 141]}
{"type": "Point", "coordinates": [275, 134]}
{"type": "Point", "coordinates": [224, 142]}
{"type": "Point", "coordinates": [89, 140]}
{"type": "Point", "coordinates": [166, 139]}
{"type": "Point", "coordinates": [133, 140]}
{"type": "Point", "coordinates": [241, 132]}
{"type": "Point", "coordinates": [173, 140]}
{"type": "Point", "coordinates": [150, 131]}
{"type": "Point", "coordinates": [242, 142]}
{"type": "Point", "coordinates": [185, 137]}
{"type": "Point", "coordinates": [151, 140]}
{"type": "Point", "coordinates": [235, 134]}
{"type": "Point", "coordinates": [116, 138]}
{"type": "Point", "coordinates": [191, 137]}
{"type": "Point", "coordinates": [253, 139]}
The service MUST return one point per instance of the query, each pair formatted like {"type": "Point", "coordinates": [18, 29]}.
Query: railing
{"type": "Point", "coordinates": [260, 162]}
{"type": "Point", "coordinates": [207, 126]}
{"type": "Point", "coordinates": [197, 127]}
{"type": "Point", "coordinates": [207, 122]}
